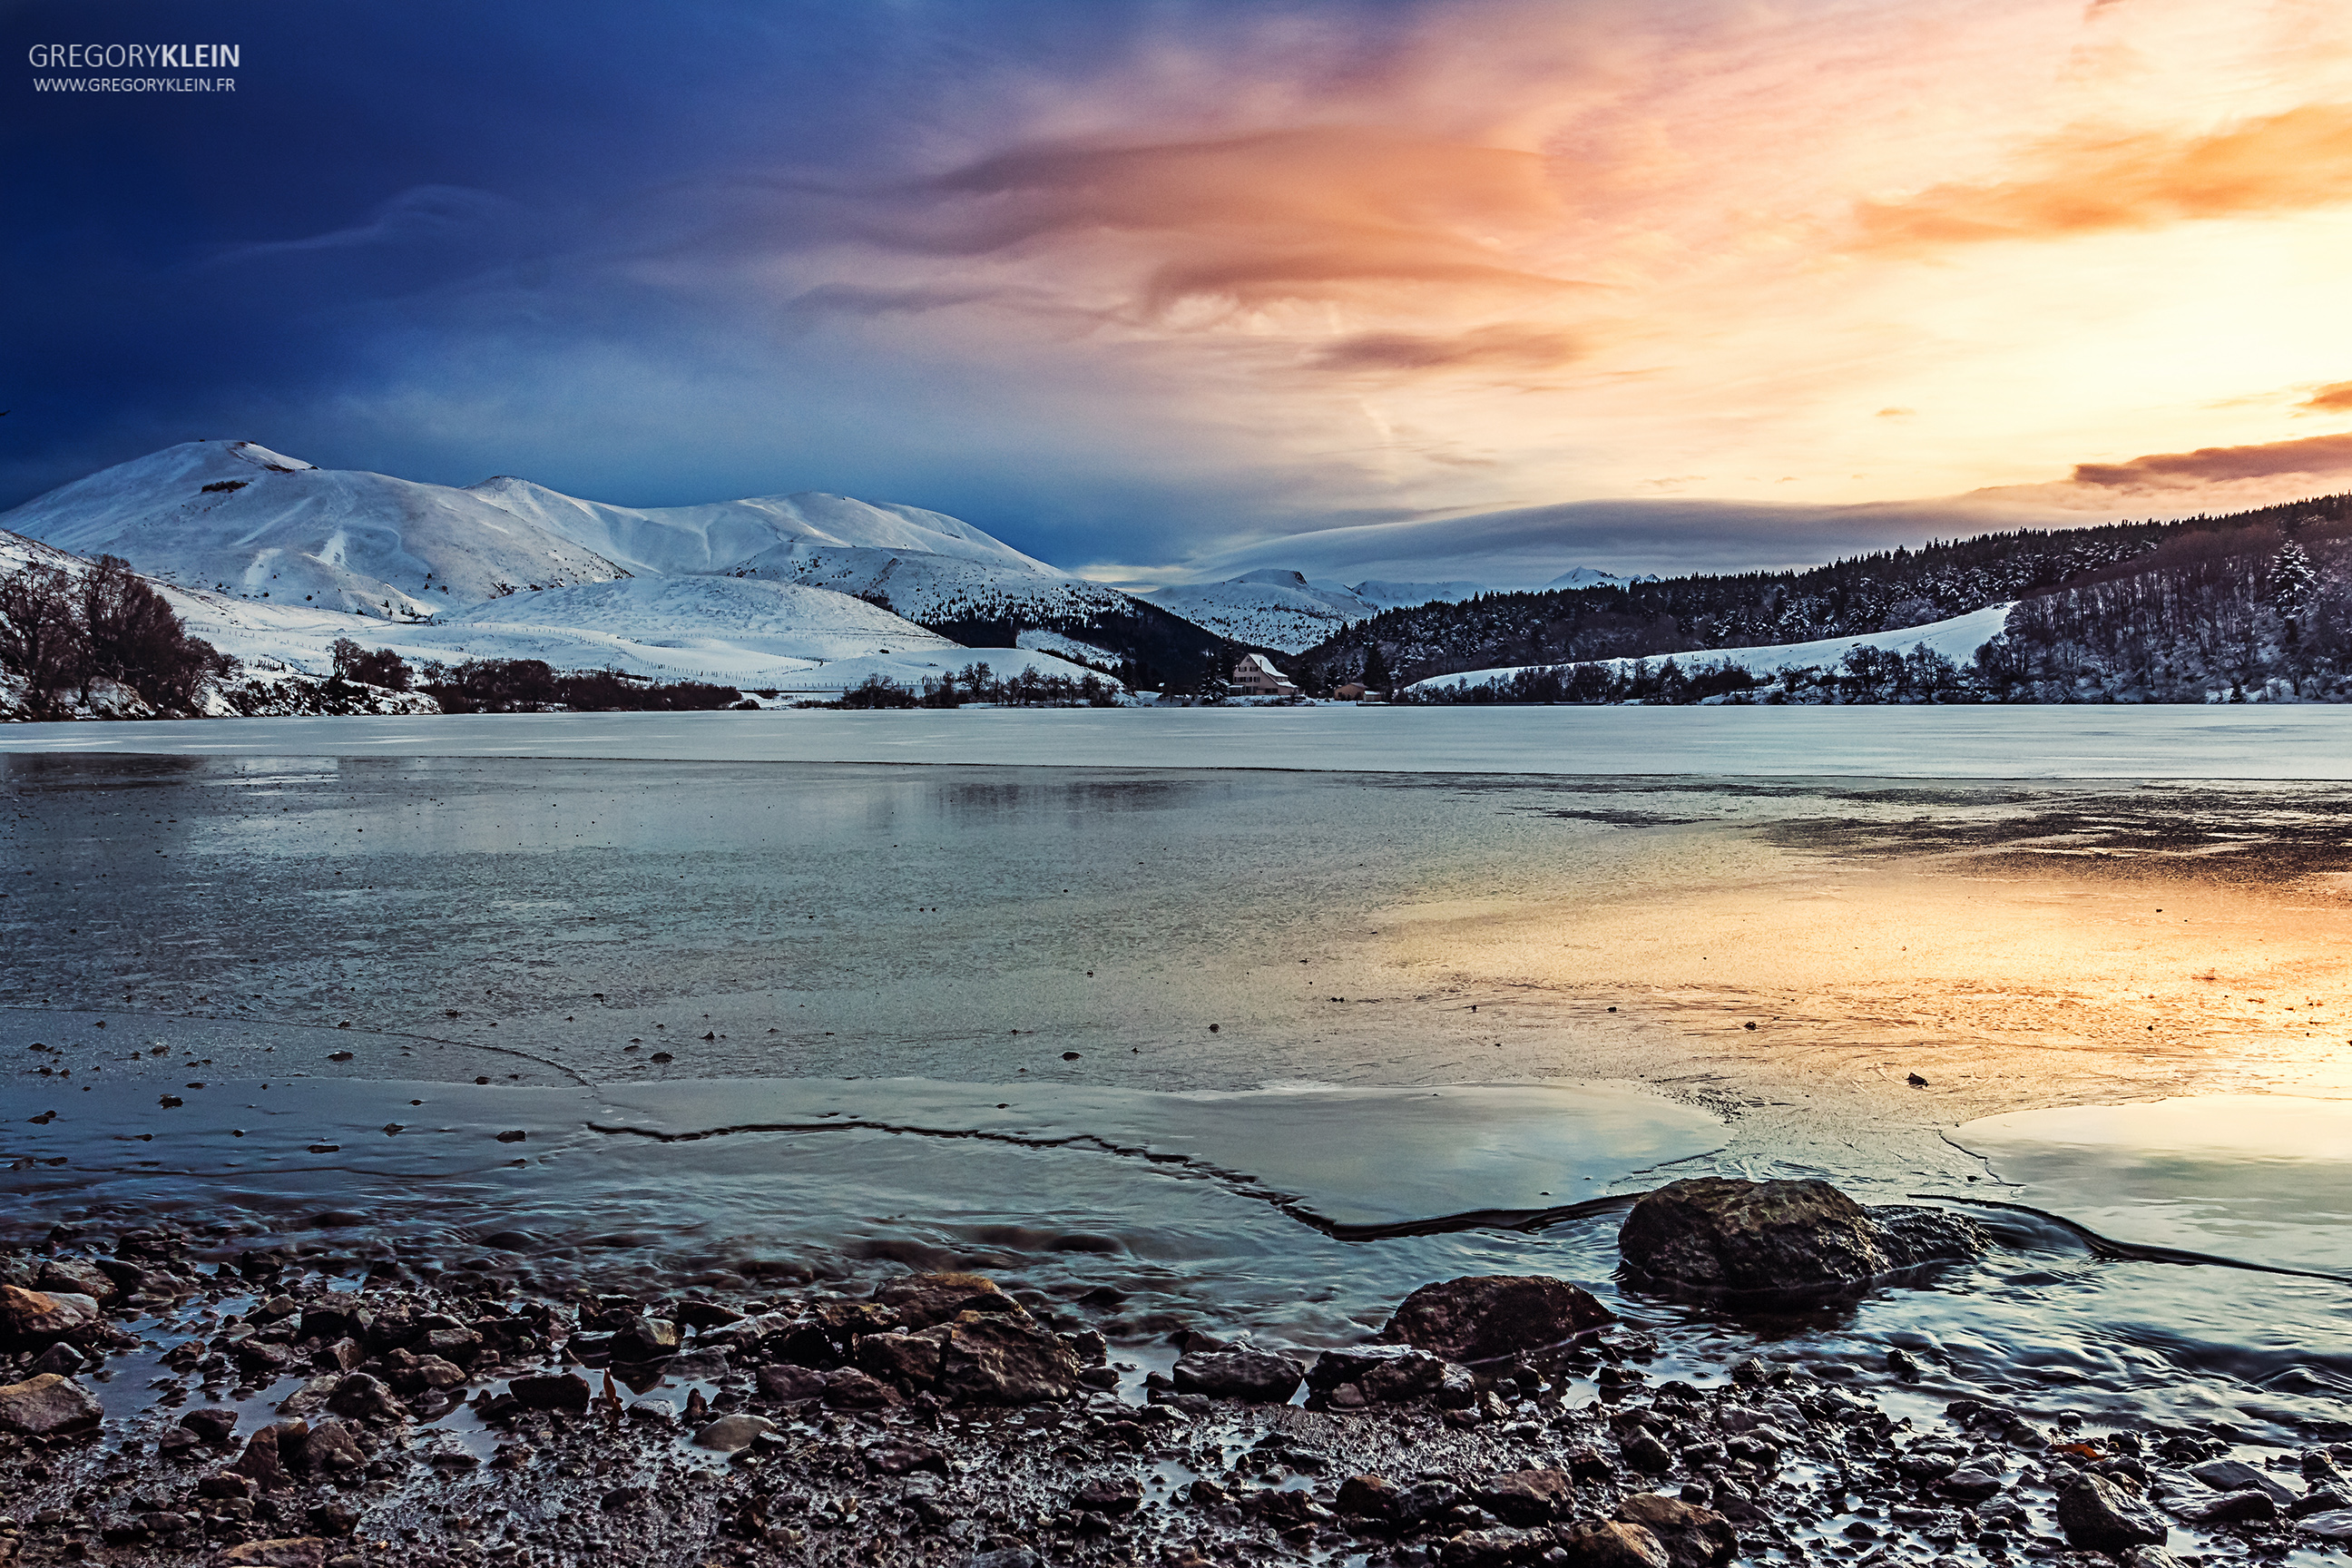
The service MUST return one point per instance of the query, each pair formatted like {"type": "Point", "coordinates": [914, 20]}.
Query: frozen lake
{"type": "Point", "coordinates": [2255, 742]}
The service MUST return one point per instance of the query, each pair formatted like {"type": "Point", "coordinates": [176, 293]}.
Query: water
{"type": "Point", "coordinates": [1054, 1023]}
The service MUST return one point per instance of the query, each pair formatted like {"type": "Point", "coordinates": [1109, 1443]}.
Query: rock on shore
{"type": "Point", "coordinates": [940, 1422]}
{"type": "Point", "coordinates": [1716, 1236]}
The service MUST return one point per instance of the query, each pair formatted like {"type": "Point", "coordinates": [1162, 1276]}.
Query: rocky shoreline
{"type": "Point", "coordinates": [176, 1399]}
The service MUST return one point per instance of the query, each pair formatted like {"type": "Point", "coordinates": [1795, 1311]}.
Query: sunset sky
{"type": "Point", "coordinates": [1143, 288]}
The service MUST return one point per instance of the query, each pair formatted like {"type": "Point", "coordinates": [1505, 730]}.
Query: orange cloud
{"type": "Point", "coordinates": [2332, 399]}
{"type": "Point", "coordinates": [1506, 345]}
{"type": "Point", "coordinates": [1248, 221]}
{"type": "Point", "coordinates": [2089, 180]}
{"type": "Point", "coordinates": [2316, 455]}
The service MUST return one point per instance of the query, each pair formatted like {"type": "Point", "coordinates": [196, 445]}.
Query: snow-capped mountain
{"type": "Point", "coordinates": [271, 556]}
{"type": "Point", "coordinates": [1593, 577]}
{"type": "Point", "coordinates": [1388, 595]}
{"type": "Point", "coordinates": [1290, 611]}
{"type": "Point", "coordinates": [723, 536]}
{"type": "Point", "coordinates": [1271, 608]}
{"type": "Point", "coordinates": [239, 518]}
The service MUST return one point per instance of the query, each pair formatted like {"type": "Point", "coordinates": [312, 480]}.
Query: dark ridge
{"type": "Point", "coordinates": [1886, 591]}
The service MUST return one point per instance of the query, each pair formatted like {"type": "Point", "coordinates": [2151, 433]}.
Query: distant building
{"type": "Point", "coordinates": [1351, 693]}
{"type": "Point", "coordinates": [1255, 675]}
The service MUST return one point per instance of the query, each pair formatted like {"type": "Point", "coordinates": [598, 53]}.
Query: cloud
{"type": "Point", "coordinates": [2336, 398]}
{"type": "Point", "coordinates": [1240, 223]}
{"type": "Point", "coordinates": [1527, 546]}
{"type": "Point", "coordinates": [2092, 179]}
{"type": "Point", "coordinates": [1505, 346]}
{"type": "Point", "coordinates": [2315, 456]}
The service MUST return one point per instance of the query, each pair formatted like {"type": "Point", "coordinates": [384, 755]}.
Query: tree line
{"type": "Point", "coordinates": [1886, 590]}
{"type": "Point", "coordinates": [2262, 614]}
{"type": "Point", "coordinates": [62, 634]}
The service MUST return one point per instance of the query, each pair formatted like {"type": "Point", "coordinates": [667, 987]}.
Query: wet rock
{"type": "Point", "coordinates": [31, 1320]}
{"type": "Point", "coordinates": [60, 1358]}
{"type": "Point", "coordinates": [913, 1359]}
{"type": "Point", "coordinates": [2237, 1475]}
{"type": "Point", "coordinates": [362, 1397]}
{"type": "Point", "coordinates": [1385, 1375]}
{"type": "Point", "coordinates": [1487, 1317]}
{"type": "Point", "coordinates": [74, 1277]}
{"type": "Point", "coordinates": [903, 1456]}
{"type": "Point", "coordinates": [1970, 1483]}
{"type": "Point", "coordinates": [2247, 1507]}
{"type": "Point", "coordinates": [2325, 1499]}
{"type": "Point", "coordinates": [333, 1518]}
{"type": "Point", "coordinates": [1493, 1548]}
{"type": "Point", "coordinates": [926, 1300]}
{"type": "Point", "coordinates": [563, 1391]}
{"type": "Point", "coordinates": [1262, 1377]}
{"type": "Point", "coordinates": [850, 1389]}
{"type": "Point", "coordinates": [730, 1433]}
{"type": "Point", "coordinates": [641, 1339]}
{"type": "Point", "coordinates": [1714, 1234]}
{"type": "Point", "coordinates": [1369, 1496]}
{"type": "Point", "coordinates": [211, 1425]}
{"type": "Point", "coordinates": [1694, 1537]}
{"type": "Point", "coordinates": [791, 1383]}
{"type": "Point", "coordinates": [2102, 1515]}
{"type": "Point", "coordinates": [47, 1403]}
{"type": "Point", "coordinates": [1428, 1497]}
{"type": "Point", "coordinates": [1007, 1361]}
{"type": "Point", "coordinates": [2335, 1525]}
{"type": "Point", "coordinates": [332, 1450]}
{"type": "Point", "coordinates": [1003, 1557]}
{"type": "Point", "coordinates": [1527, 1496]}
{"type": "Point", "coordinates": [1592, 1544]}
{"type": "Point", "coordinates": [1111, 1495]}
{"type": "Point", "coordinates": [293, 1551]}
{"type": "Point", "coordinates": [2149, 1557]}
{"type": "Point", "coordinates": [336, 1316]}
{"type": "Point", "coordinates": [273, 1454]}
{"type": "Point", "coordinates": [1643, 1452]}
{"type": "Point", "coordinates": [226, 1486]}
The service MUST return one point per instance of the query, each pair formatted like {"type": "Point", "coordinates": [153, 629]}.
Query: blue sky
{"type": "Point", "coordinates": [1138, 284]}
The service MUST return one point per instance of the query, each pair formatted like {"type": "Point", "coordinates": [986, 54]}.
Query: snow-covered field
{"type": "Point", "coordinates": [2254, 741]}
{"type": "Point", "coordinates": [1957, 639]}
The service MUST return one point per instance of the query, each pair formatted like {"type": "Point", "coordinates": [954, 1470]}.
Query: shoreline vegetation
{"type": "Point", "coordinates": [304, 1407]}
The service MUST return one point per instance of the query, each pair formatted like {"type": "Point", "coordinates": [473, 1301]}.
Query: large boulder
{"type": "Point", "coordinates": [289, 1551]}
{"type": "Point", "coordinates": [1694, 1537]}
{"type": "Point", "coordinates": [1383, 1374]}
{"type": "Point", "coordinates": [1590, 1543]}
{"type": "Point", "coordinates": [1528, 1497]}
{"type": "Point", "coordinates": [1485, 1317]}
{"type": "Point", "coordinates": [2099, 1514]}
{"type": "Point", "coordinates": [1001, 1360]}
{"type": "Point", "coordinates": [30, 1320]}
{"type": "Point", "coordinates": [47, 1404]}
{"type": "Point", "coordinates": [1263, 1377]}
{"type": "Point", "coordinates": [923, 1300]}
{"type": "Point", "coordinates": [1715, 1235]}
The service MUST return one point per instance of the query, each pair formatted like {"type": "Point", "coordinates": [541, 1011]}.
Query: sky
{"type": "Point", "coordinates": [1160, 289]}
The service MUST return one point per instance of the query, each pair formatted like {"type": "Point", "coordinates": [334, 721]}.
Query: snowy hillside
{"type": "Point", "coordinates": [1272, 609]}
{"type": "Point", "coordinates": [723, 535]}
{"type": "Point", "coordinates": [233, 523]}
{"type": "Point", "coordinates": [1593, 577]}
{"type": "Point", "coordinates": [241, 520]}
{"type": "Point", "coordinates": [1957, 639]}
{"type": "Point", "coordinates": [1387, 595]}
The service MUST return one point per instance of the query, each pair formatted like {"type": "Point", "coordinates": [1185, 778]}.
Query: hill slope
{"type": "Point", "coordinates": [239, 518]}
